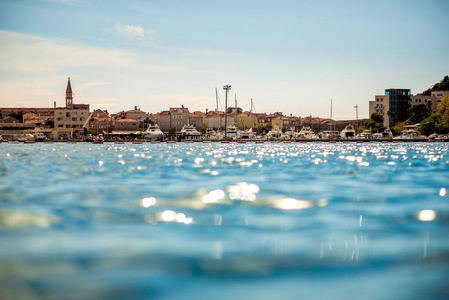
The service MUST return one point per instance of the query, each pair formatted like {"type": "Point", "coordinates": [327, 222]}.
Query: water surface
{"type": "Point", "coordinates": [224, 221]}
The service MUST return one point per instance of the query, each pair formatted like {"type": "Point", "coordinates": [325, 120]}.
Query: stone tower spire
{"type": "Point", "coordinates": [68, 95]}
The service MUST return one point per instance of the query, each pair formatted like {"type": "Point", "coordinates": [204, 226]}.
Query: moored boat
{"type": "Point", "coordinates": [212, 135]}
{"type": "Point", "coordinates": [306, 133]}
{"type": "Point", "coordinates": [189, 132]}
{"type": "Point", "coordinates": [365, 134]}
{"type": "Point", "coordinates": [348, 132]}
{"type": "Point", "coordinates": [153, 133]}
{"type": "Point", "coordinates": [275, 133]}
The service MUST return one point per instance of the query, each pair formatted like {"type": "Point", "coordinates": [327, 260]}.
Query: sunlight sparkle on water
{"type": "Point", "coordinates": [172, 216]}
{"type": "Point", "coordinates": [426, 215]}
{"type": "Point", "coordinates": [213, 196]}
{"type": "Point", "coordinates": [243, 191]}
{"type": "Point", "coordinates": [292, 204]}
{"type": "Point", "coordinates": [168, 216]}
{"type": "Point", "coordinates": [147, 202]}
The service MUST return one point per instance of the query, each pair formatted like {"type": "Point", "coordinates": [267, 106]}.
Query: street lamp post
{"type": "Point", "coordinates": [226, 88]}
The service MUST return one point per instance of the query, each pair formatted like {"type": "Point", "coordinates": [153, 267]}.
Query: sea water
{"type": "Point", "coordinates": [224, 221]}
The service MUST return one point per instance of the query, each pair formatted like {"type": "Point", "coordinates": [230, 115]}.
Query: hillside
{"type": "Point", "coordinates": [443, 85]}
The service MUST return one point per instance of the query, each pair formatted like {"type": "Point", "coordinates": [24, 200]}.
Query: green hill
{"type": "Point", "coordinates": [443, 85]}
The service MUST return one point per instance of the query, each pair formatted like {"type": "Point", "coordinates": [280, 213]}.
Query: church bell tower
{"type": "Point", "coordinates": [68, 95]}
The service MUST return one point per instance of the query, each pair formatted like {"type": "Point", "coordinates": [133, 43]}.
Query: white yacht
{"type": "Point", "coordinates": [387, 134]}
{"type": "Point", "coordinates": [348, 132]}
{"type": "Point", "coordinates": [291, 133]}
{"type": "Point", "coordinates": [275, 133]}
{"type": "Point", "coordinates": [212, 135]}
{"type": "Point", "coordinates": [39, 136]}
{"type": "Point", "coordinates": [330, 134]}
{"type": "Point", "coordinates": [410, 134]}
{"type": "Point", "coordinates": [189, 132]}
{"type": "Point", "coordinates": [231, 132]}
{"type": "Point", "coordinates": [153, 134]}
{"type": "Point", "coordinates": [366, 134]}
{"type": "Point", "coordinates": [248, 134]}
{"type": "Point", "coordinates": [307, 133]}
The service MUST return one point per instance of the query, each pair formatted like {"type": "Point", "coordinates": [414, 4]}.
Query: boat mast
{"type": "Point", "coordinates": [216, 109]}
{"type": "Point", "coordinates": [216, 99]}
{"type": "Point", "coordinates": [251, 113]}
{"type": "Point", "coordinates": [235, 111]}
{"type": "Point", "coordinates": [332, 122]}
{"type": "Point", "coordinates": [226, 88]}
{"type": "Point", "coordinates": [252, 107]}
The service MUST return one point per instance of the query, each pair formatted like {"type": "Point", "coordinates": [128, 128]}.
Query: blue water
{"type": "Point", "coordinates": [224, 221]}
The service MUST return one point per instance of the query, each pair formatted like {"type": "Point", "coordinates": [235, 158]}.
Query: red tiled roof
{"type": "Point", "coordinates": [135, 111]}
{"type": "Point", "coordinates": [126, 120]}
{"type": "Point", "coordinates": [172, 109]}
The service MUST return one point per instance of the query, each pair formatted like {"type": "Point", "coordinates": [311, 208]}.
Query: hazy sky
{"type": "Point", "coordinates": [288, 56]}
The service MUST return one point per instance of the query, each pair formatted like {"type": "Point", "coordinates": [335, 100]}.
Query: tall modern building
{"type": "Point", "coordinates": [393, 106]}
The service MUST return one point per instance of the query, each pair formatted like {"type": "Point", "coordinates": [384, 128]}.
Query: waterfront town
{"type": "Point", "coordinates": [396, 114]}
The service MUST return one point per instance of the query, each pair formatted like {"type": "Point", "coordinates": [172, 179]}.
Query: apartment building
{"type": "Point", "coordinates": [431, 101]}
{"type": "Point", "coordinates": [173, 119]}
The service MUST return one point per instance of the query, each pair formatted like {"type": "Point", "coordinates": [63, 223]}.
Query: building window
{"type": "Point", "coordinates": [73, 119]}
